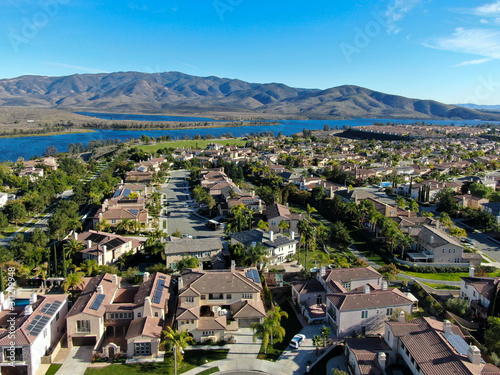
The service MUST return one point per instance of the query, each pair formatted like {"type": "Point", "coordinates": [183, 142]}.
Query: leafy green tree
{"type": "Point", "coordinates": [15, 211]}
{"type": "Point", "coordinates": [283, 226]}
{"type": "Point", "coordinates": [492, 334]}
{"type": "Point", "coordinates": [4, 221]}
{"type": "Point", "coordinates": [264, 225]}
{"type": "Point", "coordinates": [458, 306]}
{"type": "Point", "coordinates": [186, 263]}
{"type": "Point", "coordinates": [339, 234]}
{"type": "Point", "coordinates": [325, 334]}
{"type": "Point", "coordinates": [73, 281]}
{"type": "Point", "coordinates": [256, 255]}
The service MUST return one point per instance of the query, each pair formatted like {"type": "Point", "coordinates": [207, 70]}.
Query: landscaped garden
{"type": "Point", "coordinates": [192, 359]}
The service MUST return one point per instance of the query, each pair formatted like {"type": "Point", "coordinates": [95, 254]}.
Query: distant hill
{"type": "Point", "coordinates": [481, 107]}
{"type": "Point", "coordinates": [132, 92]}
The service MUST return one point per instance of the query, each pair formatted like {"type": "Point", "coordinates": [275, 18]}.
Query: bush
{"type": "Point", "coordinates": [457, 306]}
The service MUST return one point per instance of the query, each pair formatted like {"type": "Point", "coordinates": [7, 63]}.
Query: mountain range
{"type": "Point", "coordinates": [134, 92]}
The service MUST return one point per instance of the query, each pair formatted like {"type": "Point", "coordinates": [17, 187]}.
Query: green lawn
{"type": "Point", "coordinates": [438, 276]}
{"type": "Point", "coordinates": [53, 369]}
{"type": "Point", "coordinates": [192, 359]}
{"type": "Point", "coordinates": [10, 229]}
{"type": "Point", "coordinates": [291, 325]}
{"type": "Point", "coordinates": [195, 143]}
{"type": "Point", "coordinates": [362, 243]}
{"type": "Point", "coordinates": [439, 286]}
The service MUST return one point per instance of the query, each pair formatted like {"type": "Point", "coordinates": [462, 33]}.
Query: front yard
{"type": "Point", "coordinates": [192, 359]}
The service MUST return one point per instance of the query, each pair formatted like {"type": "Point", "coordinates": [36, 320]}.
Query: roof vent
{"type": "Point", "coordinates": [100, 289]}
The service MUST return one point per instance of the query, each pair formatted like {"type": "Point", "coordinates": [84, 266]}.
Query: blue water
{"type": "Point", "coordinates": [21, 302]}
{"type": "Point", "coordinates": [13, 148]}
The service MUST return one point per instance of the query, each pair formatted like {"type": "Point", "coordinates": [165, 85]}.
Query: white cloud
{"type": "Point", "coordinates": [397, 11]}
{"type": "Point", "coordinates": [474, 62]}
{"type": "Point", "coordinates": [488, 10]}
{"type": "Point", "coordinates": [484, 21]}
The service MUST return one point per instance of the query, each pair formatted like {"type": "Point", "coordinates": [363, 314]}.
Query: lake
{"type": "Point", "coordinates": [13, 148]}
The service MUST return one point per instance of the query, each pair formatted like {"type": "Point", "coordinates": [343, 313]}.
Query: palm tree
{"type": "Point", "coordinates": [325, 333]}
{"type": "Point", "coordinates": [256, 255]}
{"type": "Point", "coordinates": [71, 248]}
{"type": "Point", "coordinates": [178, 341]}
{"type": "Point", "coordinates": [73, 281]}
{"type": "Point", "coordinates": [317, 342]}
{"type": "Point", "coordinates": [42, 271]}
{"type": "Point", "coordinates": [89, 266]}
{"type": "Point", "coordinates": [309, 239]}
{"type": "Point", "coordinates": [283, 226]}
{"type": "Point", "coordinates": [262, 330]}
{"type": "Point", "coordinates": [264, 225]}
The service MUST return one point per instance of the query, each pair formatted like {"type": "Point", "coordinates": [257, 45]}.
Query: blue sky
{"type": "Point", "coordinates": [429, 49]}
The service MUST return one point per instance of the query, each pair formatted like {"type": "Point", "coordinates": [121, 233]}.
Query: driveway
{"type": "Point", "coordinates": [77, 361]}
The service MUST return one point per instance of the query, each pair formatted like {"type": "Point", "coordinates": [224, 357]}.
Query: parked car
{"type": "Point", "coordinates": [297, 340]}
{"type": "Point", "coordinates": [467, 241]}
{"type": "Point", "coordinates": [185, 235]}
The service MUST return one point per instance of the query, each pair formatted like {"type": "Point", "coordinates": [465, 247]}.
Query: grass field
{"type": "Point", "coordinates": [438, 276]}
{"type": "Point", "coordinates": [194, 144]}
{"type": "Point", "coordinates": [192, 359]}
{"type": "Point", "coordinates": [439, 286]}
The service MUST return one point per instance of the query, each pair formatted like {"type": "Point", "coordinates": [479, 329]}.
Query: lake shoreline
{"type": "Point", "coordinates": [49, 134]}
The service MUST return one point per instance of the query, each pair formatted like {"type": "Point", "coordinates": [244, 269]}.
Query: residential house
{"type": "Point", "coordinates": [367, 356]}
{"type": "Point", "coordinates": [365, 309]}
{"type": "Point", "coordinates": [50, 162]}
{"type": "Point", "coordinates": [346, 279]}
{"type": "Point", "coordinates": [120, 319]}
{"type": "Point", "coordinates": [480, 292]}
{"type": "Point", "coordinates": [280, 247]}
{"type": "Point", "coordinates": [4, 197]}
{"type": "Point", "coordinates": [205, 249]}
{"type": "Point", "coordinates": [212, 303]}
{"type": "Point", "coordinates": [431, 347]}
{"type": "Point", "coordinates": [468, 200]}
{"type": "Point", "coordinates": [432, 245]}
{"type": "Point", "coordinates": [310, 297]}
{"type": "Point", "coordinates": [276, 213]}
{"type": "Point", "coordinates": [493, 208]}
{"type": "Point", "coordinates": [32, 173]}
{"type": "Point", "coordinates": [105, 247]}
{"type": "Point", "coordinates": [30, 329]}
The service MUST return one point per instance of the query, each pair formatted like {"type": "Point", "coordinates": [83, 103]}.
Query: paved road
{"type": "Point", "coordinates": [181, 213]}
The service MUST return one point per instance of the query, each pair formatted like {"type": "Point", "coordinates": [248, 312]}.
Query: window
{"type": "Point", "coordinates": [246, 296]}
{"type": "Point", "coordinates": [378, 311]}
{"type": "Point", "coordinates": [57, 316]}
{"type": "Point", "coordinates": [389, 311]}
{"type": "Point", "coordinates": [156, 314]}
{"type": "Point", "coordinates": [208, 333]}
{"type": "Point", "coordinates": [15, 355]}
{"type": "Point", "coordinates": [216, 296]}
{"type": "Point", "coordinates": [347, 286]}
{"type": "Point", "coordinates": [203, 296]}
{"type": "Point", "coordinates": [83, 326]}
{"type": "Point", "coordinates": [139, 315]}
{"type": "Point", "coordinates": [142, 348]}
{"type": "Point", "coordinates": [228, 296]}
{"type": "Point", "coordinates": [364, 314]}
{"type": "Point", "coordinates": [189, 299]}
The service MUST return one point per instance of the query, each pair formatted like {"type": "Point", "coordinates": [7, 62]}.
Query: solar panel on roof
{"type": "Point", "coordinates": [117, 193]}
{"type": "Point", "coordinates": [162, 277]}
{"type": "Point", "coordinates": [94, 237]}
{"type": "Point", "coordinates": [160, 285]}
{"type": "Point", "coordinates": [97, 302]}
{"type": "Point", "coordinates": [254, 275]}
{"type": "Point", "coordinates": [157, 296]}
{"type": "Point", "coordinates": [46, 308]}
{"type": "Point", "coordinates": [134, 211]}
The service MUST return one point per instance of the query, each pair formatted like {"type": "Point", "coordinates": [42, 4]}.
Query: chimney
{"type": "Point", "coordinates": [33, 297]}
{"type": "Point", "coordinates": [104, 248]}
{"type": "Point", "coordinates": [148, 311]}
{"type": "Point", "coordinates": [300, 216]}
{"type": "Point", "coordinates": [366, 289]}
{"type": "Point", "coordinates": [292, 235]}
{"type": "Point", "coordinates": [322, 271]}
{"type": "Point", "coordinates": [200, 266]}
{"type": "Point", "coordinates": [472, 270]}
{"type": "Point", "coordinates": [447, 327]}
{"type": "Point", "coordinates": [287, 205]}
{"type": "Point", "coordinates": [384, 285]}
{"type": "Point", "coordinates": [145, 277]}
{"type": "Point", "coordinates": [28, 310]}
{"type": "Point", "coordinates": [431, 240]}
{"type": "Point", "coordinates": [75, 235]}
{"type": "Point", "coordinates": [115, 279]}
{"type": "Point", "coordinates": [100, 289]}
{"type": "Point", "coordinates": [474, 355]}
{"type": "Point", "coordinates": [271, 236]}
{"type": "Point", "coordinates": [233, 266]}
{"type": "Point", "coordinates": [401, 317]}
{"type": "Point", "coordinates": [382, 359]}
{"type": "Point", "coordinates": [181, 283]}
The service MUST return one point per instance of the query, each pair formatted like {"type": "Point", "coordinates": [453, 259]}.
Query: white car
{"type": "Point", "coordinates": [185, 235]}
{"type": "Point", "coordinates": [297, 340]}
